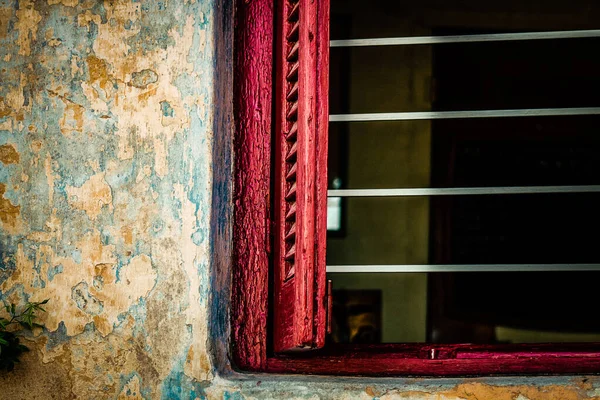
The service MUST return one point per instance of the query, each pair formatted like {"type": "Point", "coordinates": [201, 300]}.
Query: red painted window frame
{"type": "Point", "coordinates": [301, 117]}
{"type": "Point", "coordinates": [252, 294]}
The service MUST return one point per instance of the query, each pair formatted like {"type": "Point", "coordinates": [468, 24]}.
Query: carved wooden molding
{"type": "Point", "coordinates": [300, 138]}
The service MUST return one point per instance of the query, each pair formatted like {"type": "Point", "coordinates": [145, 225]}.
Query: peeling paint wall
{"type": "Point", "coordinates": [106, 131]}
{"type": "Point", "coordinates": [115, 171]}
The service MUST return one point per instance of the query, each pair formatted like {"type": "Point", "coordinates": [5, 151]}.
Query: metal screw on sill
{"type": "Point", "coordinates": [433, 353]}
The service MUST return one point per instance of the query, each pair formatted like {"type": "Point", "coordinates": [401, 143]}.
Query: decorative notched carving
{"type": "Point", "coordinates": [300, 139]}
{"type": "Point", "coordinates": [289, 130]}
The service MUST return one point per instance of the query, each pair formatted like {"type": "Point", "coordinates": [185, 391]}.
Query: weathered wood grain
{"type": "Point", "coordinates": [450, 360]}
{"type": "Point", "coordinates": [253, 88]}
{"type": "Point", "coordinates": [300, 174]}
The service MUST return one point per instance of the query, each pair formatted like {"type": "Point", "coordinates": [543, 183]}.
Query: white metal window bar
{"type": "Point", "coordinates": [461, 268]}
{"type": "Point", "coordinates": [427, 115]}
{"type": "Point", "coordinates": [494, 37]}
{"type": "Point", "coordinates": [462, 191]}
{"type": "Point", "coordinates": [430, 115]}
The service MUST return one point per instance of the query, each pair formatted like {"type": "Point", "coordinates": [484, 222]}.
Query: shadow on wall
{"type": "Point", "coordinates": [222, 209]}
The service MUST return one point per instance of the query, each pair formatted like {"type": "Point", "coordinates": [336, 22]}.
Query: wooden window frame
{"type": "Point", "coordinates": [252, 269]}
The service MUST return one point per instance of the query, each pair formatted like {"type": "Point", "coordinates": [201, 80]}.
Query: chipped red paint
{"type": "Point", "coordinates": [253, 88]}
{"type": "Point", "coordinates": [323, 305]}
{"type": "Point", "coordinates": [253, 96]}
{"type": "Point", "coordinates": [300, 136]}
{"type": "Point", "coordinates": [443, 360]}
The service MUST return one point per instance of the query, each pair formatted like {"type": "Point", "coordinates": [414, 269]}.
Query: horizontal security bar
{"type": "Point", "coordinates": [422, 115]}
{"type": "Point", "coordinates": [460, 268]}
{"type": "Point", "coordinates": [494, 37]}
{"type": "Point", "coordinates": [461, 191]}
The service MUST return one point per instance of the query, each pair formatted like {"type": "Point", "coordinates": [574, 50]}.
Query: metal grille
{"type": "Point", "coordinates": [459, 114]}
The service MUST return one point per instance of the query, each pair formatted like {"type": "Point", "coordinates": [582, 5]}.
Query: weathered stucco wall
{"type": "Point", "coordinates": [115, 158]}
{"type": "Point", "coordinates": [106, 125]}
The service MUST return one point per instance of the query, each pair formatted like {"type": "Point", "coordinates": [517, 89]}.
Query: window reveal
{"type": "Point", "coordinates": [252, 248]}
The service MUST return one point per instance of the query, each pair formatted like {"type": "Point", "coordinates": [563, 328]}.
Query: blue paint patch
{"type": "Point", "coordinates": [53, 271]}
{"type": "Point", "coordinates": [232, 396]}
{"type": "Point", "coordinates": [203, 270]}
{"type": "Point", "coordinates": [85, 301]}
{"type": "Point", "coordinates": [123, 175]}
{"type": "Point", "coordinates": [76, 256]}
{"type": "Point", "coordinates": [166, 109]}
{"type": "Point", "coordinates": [124, 379]}
{"type": "Point", "coordinates": [12, 195]}
{"type": "Point", "coordinates": [58, 337]}
{"type": "Point", "coordinates": [105, 238]}
{"type": "Point", "coordinates": [93, 31]}
{"type": "Point", "coordinates": [6, 172]}
{"type": "Point", "coordinates": [185, 82]}
{"type": "Point", "coordinates": [7, 259]}
{"type": "Point", "coordinates": [157, 227]}
{"type": "Point", "coordinates": [98, 9]}
{"type": "Point", "coordinates": [98, 282]}
{"type": "Point", "coordinates": [198, 236]}
{"type": "Point", "coordinates": [180, 386]}
{"type": "Point", "coordinates": [20, 293]}
{"type": "Point", "coordinates": [118, 268]}
{"type": "Point", "coordinates": [143, 247]}
{"type": "Point", "coordinates": [197, 194]}
{"type": "Point", "coordinates": [139, 311]}
{"type": "Point", "coordinates": [178, 171]}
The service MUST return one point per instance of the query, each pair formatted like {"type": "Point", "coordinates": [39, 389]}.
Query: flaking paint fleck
{"type": "Point", "coordinates": [143, 78]}
{"type": "Point", "coordinates": [9, 154]}
{"type": "Point", "coordinates": [9, 213]}
{"type": "Point", "coordinates": [92, 196]}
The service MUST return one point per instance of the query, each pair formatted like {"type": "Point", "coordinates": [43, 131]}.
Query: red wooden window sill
{"type": "Point", "coordinates": [252, 254]}
{"type": "Point", "coordinates": [442, 360]}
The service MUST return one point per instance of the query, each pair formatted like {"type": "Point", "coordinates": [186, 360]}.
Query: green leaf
{"type": "Point", "coordinates": [12, 309]}
{"type": "Point", "coordinates": [4, 342]}
{"type": "Point", "coordinates": [44, 302]}
{"type": "Point", "coordinates": [24, 325]}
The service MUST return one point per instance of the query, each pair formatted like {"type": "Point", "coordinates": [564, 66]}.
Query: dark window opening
{"type": "Point", "coordinates": [478, 230]}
